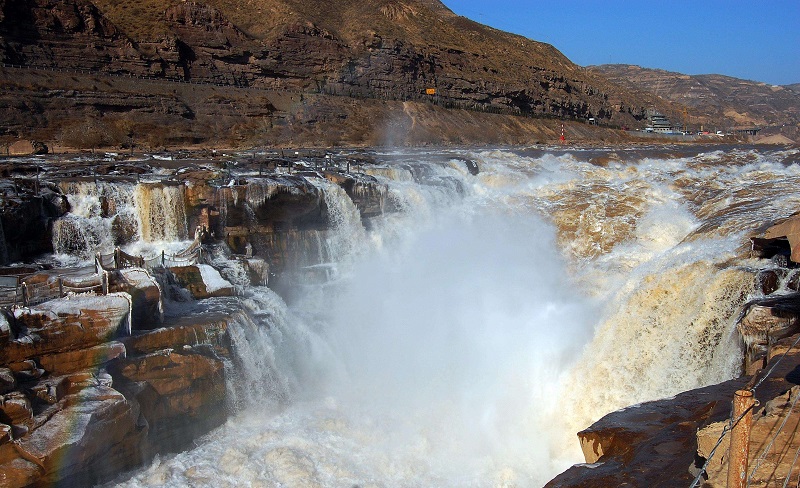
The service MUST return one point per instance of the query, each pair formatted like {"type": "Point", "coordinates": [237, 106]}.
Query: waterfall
{"type": "Point", "coordinates": [105, 214]}
{"type": "Point", "coordinates": [102, 215]}
{"type": "Point", "coordinates": [161, 212]}
{"type": "Point", "coordinates": [278, 355]}
{"type": "Point", "coordinates": [483, 320]}
{"type": "Point", "coordinates": [345, 233]}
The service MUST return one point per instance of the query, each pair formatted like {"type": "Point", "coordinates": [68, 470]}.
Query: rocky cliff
{"type": "Point", "coordinates": [94, 380]}
{"type": "Point", "coordinates": [379, 50]}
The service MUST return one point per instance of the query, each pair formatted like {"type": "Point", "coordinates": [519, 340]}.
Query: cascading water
{"type": "Point", "coordinates": [101, 213]}
{"type": "Point", "coordinates": [162, 214]}
{"type": "Point", "coordinates": [484, 320]}
{"type": "Point", "coordinates": [105, 214]}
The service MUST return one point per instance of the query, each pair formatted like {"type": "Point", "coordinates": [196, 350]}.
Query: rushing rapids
{"type": "Point", "coordinates": [464, 335]}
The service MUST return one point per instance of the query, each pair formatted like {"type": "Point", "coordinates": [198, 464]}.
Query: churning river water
{"type": "Point", "coordinates": [464, 337]}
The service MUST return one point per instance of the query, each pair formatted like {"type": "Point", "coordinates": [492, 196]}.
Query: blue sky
{"type": "Point", "coordinates": [755, 40]}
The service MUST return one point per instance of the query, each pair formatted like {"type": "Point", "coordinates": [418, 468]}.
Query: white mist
{"type": "Point", "coordinates": [460, 344]}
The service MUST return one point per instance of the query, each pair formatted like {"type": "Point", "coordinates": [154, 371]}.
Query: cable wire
{"type": "Point", "coordinates": [763, 455]}
{"type": "Point", "coordinates": [772, 369]}
{"type": "Point", "coordinates": [725, 430]}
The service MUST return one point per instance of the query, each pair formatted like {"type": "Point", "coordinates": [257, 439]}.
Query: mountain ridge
{"type": "Point", "coordinates": [415, 51]}
{"type": "Point", "coordinates": [714, 100]}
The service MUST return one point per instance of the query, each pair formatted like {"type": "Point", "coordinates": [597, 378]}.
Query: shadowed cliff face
{"type": "Point", "coordinates": [376, 49]}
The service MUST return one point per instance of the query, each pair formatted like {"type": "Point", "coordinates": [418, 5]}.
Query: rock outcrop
{"type": "Point", "coordinates": [652, 443]}
{"type": "Point", "coordinates": [28, 207]}
{"type": "Point", "coordinates": [790, 230]}
{"type": "Point", "coordinates": [64, 325]}
{"type": "Point", "coordinates": [81, 399]}
{"type": "Point", "coordinates": [202, 281]}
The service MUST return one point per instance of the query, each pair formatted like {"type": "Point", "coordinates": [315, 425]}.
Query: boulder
{"type": "Point", "coordinates": [66, 324]}
{"type": "Point", "coordinates": [27, 370]}
{"type": "Point", "coordinates": [649, 444]}
{"type": "Point", "coordinates": [770, 319]}
{"type": "Point", "coordinates": [92, 436]}
{"type": "Point", "coordinates": [81, 359]}
{"type": "Point", "coordinates": [181, 393]}
{"type": "Point", "coordinates": [7, 380]}
{"type": "Point", "coordinates": [790, 229]}
{"type": "Point", "coordinates": [202, 281]}
{"type": "Point", "coordinates": [28, 207]}
{"type": "Point", "coordinates": [147, 305]}
{"type": "Point", "coordinates": [16, 411]}
{"type": "Point", "coordinates": [16, 472]}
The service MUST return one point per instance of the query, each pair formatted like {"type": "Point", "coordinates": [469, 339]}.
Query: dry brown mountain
{"type": "Point", "coordinates": [716, 101]}
{"type": "Point", "coordinates": [380, 50]}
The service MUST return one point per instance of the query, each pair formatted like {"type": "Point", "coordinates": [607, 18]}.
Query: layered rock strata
{"type": "Point", "coordinates": [84, 398]}
{"type": "Point", "coordinates": [95, 384]}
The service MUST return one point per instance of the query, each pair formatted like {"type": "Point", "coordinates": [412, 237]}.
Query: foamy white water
{"type": "Point", "coordinates": [468, 335]}
{"type": "Point", "coordinates": [143, 218]}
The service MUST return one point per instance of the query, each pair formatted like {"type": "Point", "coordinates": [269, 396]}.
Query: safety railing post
{"type": "Point", "coordinates": [104, 282]}
{"type": "Point", "coordinates": [740, 438]}
{"type": "Point", "coordinates": [60, 287]}
{"type": "Point", "coordinates": [117, 258]}
{"type": "Point", "coordinates": [163, 258]}
{"type": "Point", "coordinates": [25, 294]}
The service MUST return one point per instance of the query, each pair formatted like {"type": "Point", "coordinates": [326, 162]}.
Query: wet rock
{"type": "Point", "coordinates": [147, 305]}
{"type": "Point", "coordinates": [289, 199]}
{"type": "Point", "coordinates": [7, 380]}
{"type": "Point", "coordinates": [211, 331]}
{"type": "Point", "coordinates": [181, 393]}
{"type": "Point", "coordinates": [793, 281]}
{"type": "Point", "coordinates": [50, 391]}
{"type": "Point", "coordinates": [767, 320]}
{"type": "Point", "coordinates": [202, 281]}
{"type": "Point", "coordinates": [16, 411]}
{"type": "Point", "coordinates": [257, 271]}
{"type": "Point", "coordinates": [27, 208]}
{"type": "Point", "coordinates": [17, 472]}
{"type": "Point", "coordinates": [80, 359]}
{"type": "Point", "coordinates": [93, 436]}
{"type": "Point", "coordinates": [773, 421]}
{"type": "Point", "coordinates": [650, 444]}
{"type": "Point", "coordinates": [81, 380]}
{"type": "Point", "coordinates": [26, 370]}
{"type": "Point", "coordinates": [790, 229]}
{"type": "Point", "coordinates": [769, 280]}
{"type": "Point", "coordinates": [5, 434]}
{"type": "Point", "coordinates": [364, 190]}
{"type": "Point", "coordinates": [66, 324]}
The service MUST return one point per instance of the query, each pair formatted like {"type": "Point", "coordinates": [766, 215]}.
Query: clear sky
{"type": "Point", "coordinates": [755, 39]}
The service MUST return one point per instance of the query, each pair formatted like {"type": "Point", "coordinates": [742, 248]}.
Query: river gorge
{"type": "Point", "coordinates": [417, 317]}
